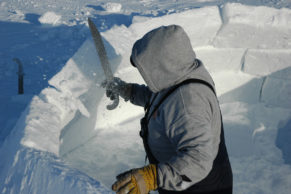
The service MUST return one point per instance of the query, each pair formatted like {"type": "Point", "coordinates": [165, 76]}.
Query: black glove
{"type": "Point", "coordinates": [117, 87]}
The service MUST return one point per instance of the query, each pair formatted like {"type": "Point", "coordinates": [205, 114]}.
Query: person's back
{"type": "Point", "coordinates": [184, 134]}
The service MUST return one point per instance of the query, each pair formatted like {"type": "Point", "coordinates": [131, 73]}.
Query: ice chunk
{"type": "Point", "coordinates": [50, 18]}
{"type": "Point", "coordinates": [112, 7]}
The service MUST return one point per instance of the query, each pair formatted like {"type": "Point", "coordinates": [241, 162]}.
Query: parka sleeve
{"type": "Point", "coordinates": [140, 95]}
{"type": "Point", "coordinates": [196, 144]}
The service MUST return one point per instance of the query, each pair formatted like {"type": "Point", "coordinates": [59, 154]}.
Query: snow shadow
{"type": "Point", "coordinates": [283, 140]}
{"type": "Point", "coordinates": [273, 89]}
{"type": "Point", "coordinates": [43, 51]}
{"type": "Point", "coordinates": [108, 20]}
{"type": "Point", "coordinates": [241, 128]}
{"type": "Point", "coordinates": [32, 18]}
{"type": "Point", "coordinates": [81, 128]}
{"type": "Point", "coordinates": [96, 7]}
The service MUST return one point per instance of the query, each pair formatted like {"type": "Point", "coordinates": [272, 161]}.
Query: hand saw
{"type": "Point", "coordinates": [103, 59]}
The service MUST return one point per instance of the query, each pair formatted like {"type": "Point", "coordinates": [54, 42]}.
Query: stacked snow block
{"type": "Point", "coordinates": [78, 82]}
{"type": "Point", "coordinates": [221, 59]}
{"type": "Point", "coordinates": [200, 24]}
{"type": "Point", "coordinates": [275, 66]}
{"type": "Point", "coordinates": [231, 39]}
{"type": "Point", "coordinates": [264, 34]}
{"type": "Point", "coordinates": [246, 49]}
{"type": "Point", "coordinates": [254, 27]}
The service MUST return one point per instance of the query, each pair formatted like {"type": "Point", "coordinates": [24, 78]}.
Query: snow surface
{"type": "Point", "coordinates": [50, 18]}
{"type": "Point", "coordinates": [112, 7]}
{"type": "Point", "coordinates": [66, 141]}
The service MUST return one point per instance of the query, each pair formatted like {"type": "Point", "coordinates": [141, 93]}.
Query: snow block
{"type": "Point", "coordinates": [43, 125]}
{"type": "Point", "coordinates": [112, 7]}
{"type": "Point", "coordinates": [80, 79]}
{"type": "Point", "coordinates": [254, 27]}
{"type": "Point", "coordinates": [262, 16]}
{"type": "Point", "coordinates": [217, 60]}
{"type": "Point", "coordinates": [277, 92]}
{"type": "Point", "coordinates": [42, 172]}
{"type": "Point", "coordinates": [249, 92]}
{"type": "Point", "coordinates": [200, 24]}
{"type": "Point", "coordinates": [273, 63]}
{"type": "Point", "coordinates": [59, 113]}
{"type": "Point", "coordinates": [27, 170]}
{"type": "Point", "coordinates": [50, 18]}
{"type": "Point", "coordinates": [113, 144]}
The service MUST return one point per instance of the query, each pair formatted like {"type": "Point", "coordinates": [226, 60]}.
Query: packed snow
{"type": "Point", "coordinates": [112, 7]}
{"type": "Point", "coordinates": [50, 18]}
{"type": "Point", "coordinates": [59, 137]}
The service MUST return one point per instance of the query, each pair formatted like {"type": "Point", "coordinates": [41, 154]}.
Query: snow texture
{"type": "Point", "coordinates": [66, 141]}
{"type": "Point", "coordinates": [112, 7]}
{"type": "Point", "coordinates": [254, 27]}
{"type": "Point", "coordinates": [50, 18]}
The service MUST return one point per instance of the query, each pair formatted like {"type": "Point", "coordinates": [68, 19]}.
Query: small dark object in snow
{"type": "Point", "coordinates": [20, 74]}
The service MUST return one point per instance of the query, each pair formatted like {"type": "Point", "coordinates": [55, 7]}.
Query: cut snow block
{"type": "Point", "coordinates": [83, 69]}
{"type": "Point", "coordinates": [217, 60]}
{"type": "Point", "coordinates": [249, 92]}
{"type": "Point", "coordinates": [112, 7]}
{"type": "Point", "coordinates": [277, 92]}
{"type": "Point", "coordinates": [254, 27]}
{"type": "Point", "coordinates": [262, 16]}
{"type": "Point", "coordinates": [42, 127]}
{"type": "Point", "coordinates": [81, 77]}
{"type": "Point", "coordinates": [273, 63]}
{"type": "Point", "coordinates": [226, 81]}
{"type": "Point", "coordinates": [50, 18]}
{"type": "Point", "coordinates": [62, 118]}
{"type": "Point", "coordinates": [122, 43]}
{"type": "Point", "coordinates": [201, 24]}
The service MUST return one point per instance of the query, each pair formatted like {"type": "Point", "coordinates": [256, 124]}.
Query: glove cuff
{"type": "Point", "coordinates": [150, 177]}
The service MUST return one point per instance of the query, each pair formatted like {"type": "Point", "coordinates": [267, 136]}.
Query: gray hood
{"type": "Point", "coordinates": [164, 58]}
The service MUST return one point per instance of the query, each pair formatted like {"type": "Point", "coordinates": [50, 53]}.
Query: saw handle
{"type": "Point", "coordinates": [112, 91]}
{"type": "Point", "coordinates": [115, 102]}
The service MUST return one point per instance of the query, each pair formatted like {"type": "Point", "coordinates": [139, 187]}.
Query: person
{"type": "Point", "coordinates": [182, 129]}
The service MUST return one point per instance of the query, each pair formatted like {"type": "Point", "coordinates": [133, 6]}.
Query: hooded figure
{"type": "Point", "coordinates": [184, 137]}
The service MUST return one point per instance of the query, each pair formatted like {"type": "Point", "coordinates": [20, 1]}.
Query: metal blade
{"type": "Point", "coordinates": [100, 50]}
{"type": "Point", "coordinates": [103, 59]}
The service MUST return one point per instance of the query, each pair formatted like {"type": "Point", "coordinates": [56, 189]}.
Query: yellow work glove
{"type": "Point", "coordinates": [137, 181]}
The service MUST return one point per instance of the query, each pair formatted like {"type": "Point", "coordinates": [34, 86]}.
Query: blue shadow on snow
{"type": "Point", "coordinates": [283, 140]}
{"type": "Point", "coordinates": [43, 51]}
{"type": "Point", "coordinates": [32, 18]}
